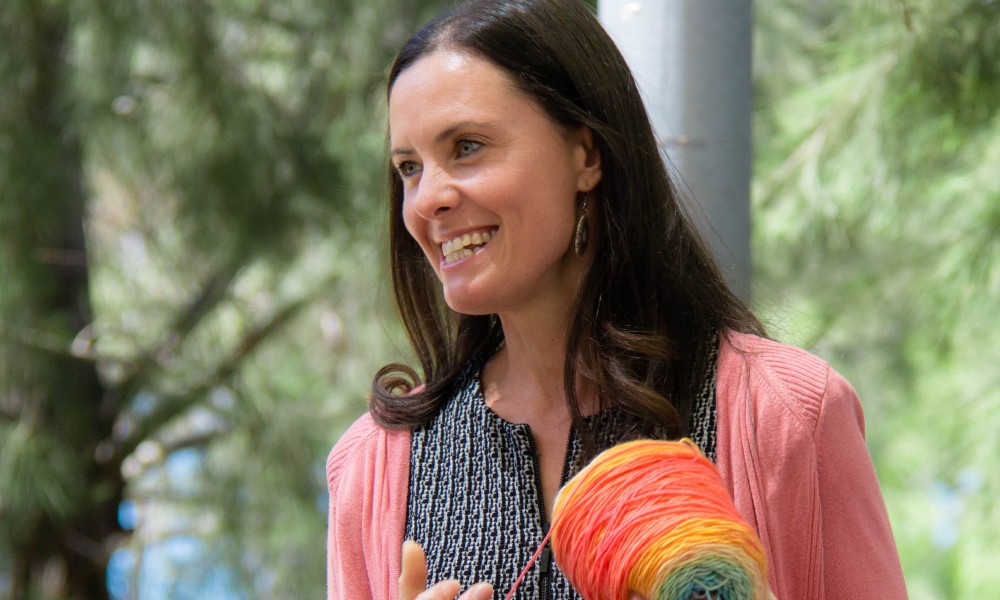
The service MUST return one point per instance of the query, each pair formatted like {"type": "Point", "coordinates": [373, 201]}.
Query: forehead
{"type": "Point", "coordinates": [448, 85]}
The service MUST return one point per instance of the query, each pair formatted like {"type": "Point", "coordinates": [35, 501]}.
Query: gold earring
{"type": "Point", "coordinates": [580, 239]}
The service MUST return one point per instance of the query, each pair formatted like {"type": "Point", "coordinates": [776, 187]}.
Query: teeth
{"type": "Point", "coordinates": [458, 248]}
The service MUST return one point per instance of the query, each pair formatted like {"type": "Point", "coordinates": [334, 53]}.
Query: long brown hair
{"type": "Point", "coordinates": [649, 306]}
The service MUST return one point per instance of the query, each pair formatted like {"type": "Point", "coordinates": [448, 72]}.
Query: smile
{"type": "Point", "coordinates": [466, 245]}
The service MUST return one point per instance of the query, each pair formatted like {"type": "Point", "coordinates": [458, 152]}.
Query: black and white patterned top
{"type": "Point", "coordinates": [475, 500]}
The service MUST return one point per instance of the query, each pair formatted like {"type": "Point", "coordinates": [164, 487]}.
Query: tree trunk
{"type": "Point", "coordinates": [63, 554]}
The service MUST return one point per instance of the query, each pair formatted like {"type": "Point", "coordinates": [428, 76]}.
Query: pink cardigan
{"type": "Point", "coordinates": [790, 449]}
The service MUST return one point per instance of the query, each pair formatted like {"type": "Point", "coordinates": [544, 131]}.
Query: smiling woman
{"type": "Point", "coordinates": [477, 157]}
{"type": "Point", "coordinates": [559, 303]}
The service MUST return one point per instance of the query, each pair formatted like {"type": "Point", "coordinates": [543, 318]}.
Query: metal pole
{"type": "Point", "coordinates": [691, 59]}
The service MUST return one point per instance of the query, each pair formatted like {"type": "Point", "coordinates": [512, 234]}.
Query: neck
{"type": "Point", "coordinates": [524, 381]}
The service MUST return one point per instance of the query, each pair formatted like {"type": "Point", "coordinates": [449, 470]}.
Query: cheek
{"type": "Point", "coordinates": [416, 228]}
{"type": "Point", "coordinates": [411, 220]}
{"type": "Point", "coordinates": [408, 218]}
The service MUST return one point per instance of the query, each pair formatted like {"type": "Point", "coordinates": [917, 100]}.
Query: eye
{"type": "Point", "coordinates": [466, 147]}
{"type": "Point", "coordinates": [407, 168]}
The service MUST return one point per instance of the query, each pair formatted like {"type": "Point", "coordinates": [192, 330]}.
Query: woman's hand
{"type": "Point", "coordinates": [413, 580]}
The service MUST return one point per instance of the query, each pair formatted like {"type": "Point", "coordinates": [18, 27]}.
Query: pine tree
{"type": "Point", "coordinates": [189, 195]}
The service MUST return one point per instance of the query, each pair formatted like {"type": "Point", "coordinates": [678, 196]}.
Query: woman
{"type": "Point", "coordinates": [560, 302]}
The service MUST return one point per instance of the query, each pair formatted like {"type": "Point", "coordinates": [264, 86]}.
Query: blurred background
{"type": "Point", "coordinates": [193, 295]}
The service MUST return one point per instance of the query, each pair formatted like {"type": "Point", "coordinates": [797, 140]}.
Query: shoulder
{"type": "Point", "coordinates": [793, 455]}
{"type": "Point", "coordinates": [786, 381]}
{"type": "Point", "coordinates": [367, 473]}
{"type": "Point", "coordinates": [365, 451]}
{"type": "Point", "coordinates": [354, 441]}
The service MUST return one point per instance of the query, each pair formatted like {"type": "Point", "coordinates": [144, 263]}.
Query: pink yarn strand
{"type": "Point", "coordinates": [527, 567]}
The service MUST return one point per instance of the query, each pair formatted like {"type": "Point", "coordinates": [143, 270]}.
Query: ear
{"type": "Point", "coordinates": [586, 159]}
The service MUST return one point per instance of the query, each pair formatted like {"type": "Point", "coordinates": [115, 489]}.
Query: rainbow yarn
{"type": "Point", "coordinates": [654, 518]}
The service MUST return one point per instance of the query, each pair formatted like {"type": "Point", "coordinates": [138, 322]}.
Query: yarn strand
{"type": "Point", "coordinates": [527, 567]}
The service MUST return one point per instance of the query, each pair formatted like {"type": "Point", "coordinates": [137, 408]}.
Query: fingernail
{"type": "Point", "coordinates": [482, 591]}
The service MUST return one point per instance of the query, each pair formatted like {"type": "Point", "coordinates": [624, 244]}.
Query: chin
{"type": "Point", "coordinates": [465, 305]}
{"type": "Point", "coordinates": [469, 310]}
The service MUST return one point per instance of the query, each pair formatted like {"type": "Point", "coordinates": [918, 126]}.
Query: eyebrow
{"type": "Point", "coordinates": [446, 134]}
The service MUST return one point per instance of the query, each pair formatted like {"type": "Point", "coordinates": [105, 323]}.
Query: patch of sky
{"type": "Point", "coordinates": [177, 568]}
{"type": "Point", "coordinates": [323, 497]}
{"type": "Point", "coordinates": [949, 502]}
{"type": "Point", "coordinates": [127, 515]}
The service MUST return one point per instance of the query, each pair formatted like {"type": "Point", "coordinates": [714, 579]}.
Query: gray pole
{"type": "Point", "coordinates": [692, 61]}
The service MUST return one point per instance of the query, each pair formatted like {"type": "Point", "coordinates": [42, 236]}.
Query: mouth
{"type": "Point", "coordinates": [466, 245]}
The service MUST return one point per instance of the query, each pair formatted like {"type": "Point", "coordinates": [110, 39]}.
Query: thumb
{"type": "Point", "coordinates": [413, 575]}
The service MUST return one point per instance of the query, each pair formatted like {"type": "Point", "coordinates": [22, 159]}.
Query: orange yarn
{"type": "Point", "coordinates": [654, 518]}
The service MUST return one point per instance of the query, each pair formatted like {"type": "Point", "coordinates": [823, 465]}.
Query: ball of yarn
{"type": "Point", "coordinates": [654, 518]}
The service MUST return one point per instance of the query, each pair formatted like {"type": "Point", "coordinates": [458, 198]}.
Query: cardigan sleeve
{"type": "Point", "coordinates": [346, 572]}
{"type": "Point", "coordinates": [793, 455]}
{"type": "Point", "coordinates": [367, 475]}
{"type": "Point", "coordinates": [859, 554]}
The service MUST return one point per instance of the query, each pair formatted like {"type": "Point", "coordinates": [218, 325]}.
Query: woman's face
{"type": "Point", "coordinates": [490, 185]}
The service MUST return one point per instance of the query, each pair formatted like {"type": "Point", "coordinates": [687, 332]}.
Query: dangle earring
{"type": "Point", "coordinates": [580, 239]}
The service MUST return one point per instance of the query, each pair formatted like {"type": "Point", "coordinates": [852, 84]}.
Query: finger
{"type": "Point", "coordinates": [413, 574]}
{"type": "Point", "coordinates": [442, 590]}
{"type": "Point", "coordinates": [480, 591]}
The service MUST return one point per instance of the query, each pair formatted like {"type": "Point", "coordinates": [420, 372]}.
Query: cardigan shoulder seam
{"type": "Point", "coordinates": [796, 379]}
{"type": "Point", "coordinates": [355, 440]}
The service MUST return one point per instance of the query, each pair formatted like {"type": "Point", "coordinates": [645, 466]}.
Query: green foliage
{"type": "Point", "coordinates": [38, 475]}
{"type": "Point", "coordinates": [877, 214]}
{"type": "Point", "coordinates": [224, 159]}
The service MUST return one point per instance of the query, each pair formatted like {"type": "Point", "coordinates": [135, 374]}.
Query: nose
{"type": "Point", "coordinates": [435, 194]}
